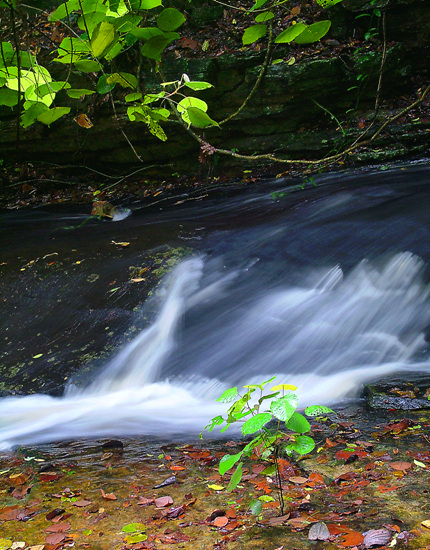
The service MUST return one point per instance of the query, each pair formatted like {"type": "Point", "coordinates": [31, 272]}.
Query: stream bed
{"type": "Point", "coordinates": [136, 326]}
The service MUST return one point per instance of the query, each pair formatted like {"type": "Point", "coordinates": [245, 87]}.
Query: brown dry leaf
{"type": "Point", "coordinates": [83, 120]}
{"type": "Point", "coordinates": [54, 513]}
{"type": "Point", "coordinates": [20, 492]}
{"type": "Point", "coordinates": [145, 501]}
{"type": "Point", "coordinates": [18, 479]}
{"type": "Point", "coordinates": [58, 528]}
{"type": "Point", "coordinates": [220, 521]}
{"type": "Point", "coordinates": [278, 520]}
{"type": "Point", "coordinates": [298, 523]}
{"type": "Point", "coordinates": [426, 523]}
{"type": "Point", "coordinates": [298, 480]}
{"type": "Point", "coordinates": [162, 502]}
{"type": "Point", "coordinates": [296, 10]}
{"type": "Point", "coordinates": [107, 496]}
{"type": "Point", "coordinates": [9, 513]}
{"type": "Point", "coordinates": [81, 503]}
{"type": "Point", "coordinates": [400, 465]}
{"type": "Point", "coordinates": [36, 547]}
{"type": "Point", "coordinates": [55, 538]}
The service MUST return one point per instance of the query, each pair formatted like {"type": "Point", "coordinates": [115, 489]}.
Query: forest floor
{"type": "Point", "coordinates": [365, 486]}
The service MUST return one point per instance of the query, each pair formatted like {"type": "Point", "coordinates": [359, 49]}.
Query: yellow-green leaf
{"type": "Point", "coordinates": [102, 38]}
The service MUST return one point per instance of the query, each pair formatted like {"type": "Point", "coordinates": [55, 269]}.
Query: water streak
{"type": "Point", "coordinates": [327, 336]}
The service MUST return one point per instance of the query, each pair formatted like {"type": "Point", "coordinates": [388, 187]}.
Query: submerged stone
{"type": "Point", "coordinates": [398, 394]}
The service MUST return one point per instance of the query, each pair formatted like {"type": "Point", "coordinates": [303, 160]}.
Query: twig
{"type": "Point", "coordinates": [257, 82]}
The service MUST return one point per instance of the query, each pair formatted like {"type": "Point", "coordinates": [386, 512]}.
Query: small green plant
{"type": "Point", "coordinates": [256, 409]}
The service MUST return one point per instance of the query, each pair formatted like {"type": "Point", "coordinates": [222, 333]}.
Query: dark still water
{"type": "Point", "coordinates": [325, 287]}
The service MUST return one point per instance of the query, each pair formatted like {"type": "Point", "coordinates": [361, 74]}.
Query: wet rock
{"type": "Point", "coordinates": [113, 444]}
{"type": "Point", "coordinates": [398, 394]}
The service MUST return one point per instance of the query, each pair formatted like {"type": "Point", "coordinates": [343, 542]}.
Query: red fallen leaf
{"type": "Point", "coordinates": [336, 529]}
{"type": "Point", "coordinates": [145, 501]}
{"type": "Point", "coordinates": [387, 488]}
{"type": "Point", "coordinates": [49, 476]}
{"type": "Point", "coordinates": [316, 479]}
{"type": "Point", "coordinates": [18, 479]}
{"type": "Point", "coordinates": [161, 502]}
{"type": "Point", "coordinates": [188, 43]}
{"type": "Point", "coordinates": [199, 455]}
{"type": "Point", "coordinates": [232, 525]}
{"type": "Point", "coordinates": [353, 538]}
{"type": "Point", "coordinates": [61, 518]}
{"type": "Point", "coordinates": [330, 443]}
{"type": "Point", "coordinates": [9, 513]}
{"type": "Point", "coordinates": [81, 503]}
{"type": "Point", "coordinates": [220, 521]}
{"type": "Point", "coordinates": [55, 538]}
{"type": "Point", "coordinates": [231, 513]}
{"type": "Point", "coordinates": [400, 465]}
{"type": "Point", "coordinates": [58, 528]}
{"type": "Point", "coordinates": [285, 468]}
{"type": "Point", "coordinates": [107, 496]}
{"type": "Point", "coordinates": [370, 466]}
{"type": "Point", "coordinates": [177, 468]}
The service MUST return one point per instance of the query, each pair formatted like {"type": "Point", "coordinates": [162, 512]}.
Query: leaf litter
{"type": "Point", "coordinates": [376, 500]}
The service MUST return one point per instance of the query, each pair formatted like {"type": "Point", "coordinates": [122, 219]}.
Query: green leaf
{"type": "Point", "coordinates": [256, 423]}
{"type": "Point", "coordinates": [298, 423]}
{"type": "Point", "coordinates": [145, 33]}
{"type": "Point", "coordinates": [198, 85]}
{"type": "Point", "coordinates": [199, 118]}
{"type": "Point", "coordinates": [149, 4]}
{"type": "Point", "coordinates": [132, 539]}
{"type": "Point", "coordinates": [77, 93]}
{"type": "Point", "coordinates": [228, 461]}
{"type": "Point", "coordinates": [155, 46]}
{"type": "Point", "coordinates": [102, 85]}
{"type": "Point", "coordinates": [228, 396]}
{"type": "Point", "coordinates": [318, 410]}
{"type": "Point", "coordinates": [328, 3]}
{"type": "Point", "coordinates": [31, 113]}
{"type": "Point", "coordinates": [266, 498]}
{"type": "Point", "coordinates": [256, 508]}
{"type": "Point", "coordinates": [314, 32]}
{"type": "Point", "coordinates": [135, 96]}
{"type": "Point", "coordinates": [113, 5]}
{"type": "Point", "coordinates": [7, 54]}
{"type": "Point", "coordinates": [188, 102]}
{"type": "Point", "coordinates": [291, 33]}
{"type": "Point", "coordinates": [254, 33]}
{"type": "Point", "coordinates": [87, 66]}
{"type": "Point", "coordinates": [64, 10]}
{"type": "Point", "coordinates": [215, 421]}
{"type": "Point", "coordinates": [303, 445]}
{"type": "Point", "coordinates": [170, 19]}
{"type": "Point", "coordinates": [235, 478]}
{"type": "Point", "coordinates": [258, 4]}
{"type": "Point", "coordinates": [156, 130]}
{"type": "Point", "coordinates": [134, 528]}
{"type": "Point", "coordinates": [150, 98]}
{"type": "Point", "coordinates": [125, 80]}
{"type": "Point", "coordinates": [284, 407]}
{"type": "Point", "coordinates": [265, 16]}
{"type": "Point", "coordinates": [8, 97]}
{"type": "Point", "coordinates": [50, 116]}
{"type": "Point", "coordinates": [102, 38]}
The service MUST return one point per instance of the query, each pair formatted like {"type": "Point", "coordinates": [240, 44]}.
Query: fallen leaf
{"type": "Point", "coordinates": [353, 538]}
{"type": "Point", "coordinates": [107, 496]}
{"type": "Point", "coordinates": [54, 513]}
{"type": "Point", "coordinates": [298, 480]}
{"type": "Point", "coordinates": [58, 528]}
{"type": "Point", "coordinates": [216, 487]}
{"type": "Point", "coordinates": [400, 465]}
{"type": "Point", "coordinates": [18, 479]}
{"type": "Point", "coordinates": [426, 523]}
{"type": "Point", "coordinates": [55, 538]}
{"type": "Point", "coordinates": [145, 501]}
{"type": "Point", "coordinates": [319, 531]}
{"type": "Point", "coordinates": [376, 537]}
{"type": "Point", "coordinates": [169, 481]}
{"type": "Point", "coordinates": [220, 521]}
{"type": "Point", "coordinates": [161, 502]}
{"type": "Point", "coordinates": [81, 503]}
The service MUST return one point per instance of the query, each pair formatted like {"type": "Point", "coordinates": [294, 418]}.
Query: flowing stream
{"type": "Point", "coordinates": [324, 288]}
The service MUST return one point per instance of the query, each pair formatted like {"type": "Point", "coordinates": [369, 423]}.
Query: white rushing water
{"type": "Point", "coordinates": [327, 336]}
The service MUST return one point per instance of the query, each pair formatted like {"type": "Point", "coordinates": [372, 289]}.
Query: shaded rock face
{"type": "Point", "coordinates": [286, 115]}
{"type": "Point", "coordinates": [398, 394]}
